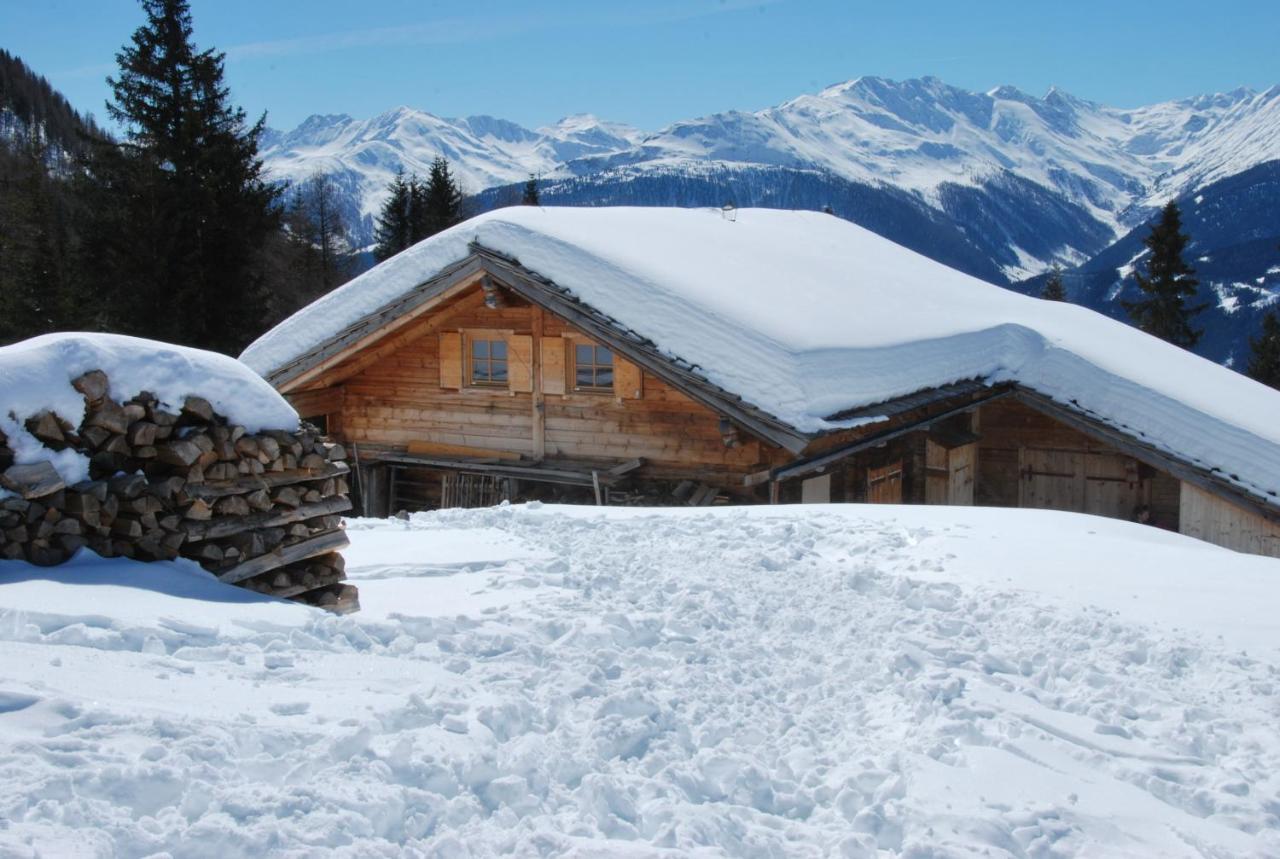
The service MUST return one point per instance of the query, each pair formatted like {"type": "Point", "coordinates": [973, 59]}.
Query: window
{"type": "Point", "coordinates": [488, 362]}
{"type": "Point", "coordinates": [592, 368]}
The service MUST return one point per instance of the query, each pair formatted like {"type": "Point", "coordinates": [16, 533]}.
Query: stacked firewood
{"type": "Point", "coordinates": [258, 510]}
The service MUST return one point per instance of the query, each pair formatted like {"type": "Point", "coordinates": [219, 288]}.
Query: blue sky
{"type": "Point", "coordinates": [649, 63]}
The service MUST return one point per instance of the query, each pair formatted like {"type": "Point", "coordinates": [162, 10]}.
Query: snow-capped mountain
{"type": "Point", "coordinates": [362, 156]}
{"type": "Point", "coordinates": [1021, 181]}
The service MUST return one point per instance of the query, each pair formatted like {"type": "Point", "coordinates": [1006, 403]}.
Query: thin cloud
{"type": "Point", "coordinates": [461, 30]}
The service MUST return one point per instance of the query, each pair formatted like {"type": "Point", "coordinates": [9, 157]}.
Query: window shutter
{"type": "Point", "coordinates": [451, 359]}
{"type": "Point", "coordinates": [520, 362]}
{"type": "Point", "coordinates": [628, 379]}
{"type": "Point", "coordinates": [553, 376]}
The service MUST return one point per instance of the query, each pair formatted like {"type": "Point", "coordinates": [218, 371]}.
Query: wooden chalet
{"type": "Point", "coordinates": [480, 378]}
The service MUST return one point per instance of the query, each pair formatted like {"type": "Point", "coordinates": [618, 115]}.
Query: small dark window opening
{"type": "Point", "coordinates": [592, 368]}
{"type": "Point", "coordinates": [489, 363]}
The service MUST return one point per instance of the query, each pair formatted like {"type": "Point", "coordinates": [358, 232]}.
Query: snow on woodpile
{"type": "Point", "coordinates": [114, 444]}
{"type": "Point", "coordinates": [36, 376]}
{"type": "Point", "coordinates": [805, 315]}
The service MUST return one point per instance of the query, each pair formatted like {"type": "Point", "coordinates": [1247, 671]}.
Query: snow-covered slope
{"type": "Point", "coordinates": [800, 682]}
{"type": "Point", "coordinates": [922, 136]}
{"type": "Point", "coordinates": [804, 315]}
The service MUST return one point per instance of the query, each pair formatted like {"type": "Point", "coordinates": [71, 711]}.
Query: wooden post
{"type": "Point", "coordinates": [539, 402]}
{"type": "Point", "coordinates": [595, 484]}
{"type": "Point", "coordinates": [775, 491]}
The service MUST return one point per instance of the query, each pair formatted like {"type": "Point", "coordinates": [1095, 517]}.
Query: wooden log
{"type": "Point", "coordinates": [108, 415]}
{"type": "Point", "coordinates": [45, 427]}
{"type": "Point", "coordinates": [198, 409]}
{"type": "Point", "coordinates": [198, 531]}
{"type": "Point", "coordinates": [245, 485]}
{"type": "Point", "coordinates": [232, 505]}
{"type": "Point", "coordinates": [318, 545]}
{"type": "Point", "coordinates": [32, 481]}
{"type": "Point", "coordinates": [179, 452]}
{"type": "Point", "coordinates": [199, 510]}
{"type": "Point", "coordinates": [142, 433]}
{"type": "Point", "coordinates": [93, 385]}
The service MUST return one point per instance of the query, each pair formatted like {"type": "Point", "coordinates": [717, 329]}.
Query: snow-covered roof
{"type": "Point", "coordinates": [36, 375]}
{"type": "Point", "coordinates": [805, 315]}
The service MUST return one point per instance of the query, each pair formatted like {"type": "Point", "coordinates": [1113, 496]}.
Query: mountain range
{"type": "Point", "coordinates": [1000, 184]}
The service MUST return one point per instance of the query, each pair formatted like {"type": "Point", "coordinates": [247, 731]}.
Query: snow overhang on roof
{"type": "Point", "coordinates": [804, 316]}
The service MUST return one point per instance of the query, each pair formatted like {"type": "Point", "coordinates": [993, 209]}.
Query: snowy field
{"type": "Point", "coordinates": [818, 681]}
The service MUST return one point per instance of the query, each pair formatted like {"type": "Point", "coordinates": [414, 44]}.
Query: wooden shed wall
{"type": "Point", "coordinates": [1216, 520]}
{"type": "Point", "coordinates": [399, 399]}
{"type": "Point", "coordinates": [1027, 459]}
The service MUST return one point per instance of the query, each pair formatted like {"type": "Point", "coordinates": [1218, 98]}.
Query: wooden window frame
{"type": "Point", "coordinates": [469, 338]}
{"type": "Point", "coordinates": [571, 368]}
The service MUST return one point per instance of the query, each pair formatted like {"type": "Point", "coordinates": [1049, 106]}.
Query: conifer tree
{"type": "Point", "coordinates": [441, 199]}
{"type": "Point", "coordinates": [391, 230]}
{"type": "Point", "coordinates": [1054, 290]}
{"type": "Point", "coordinates": [530, 197]}
{"type": "Point", "coordinates": [185, 212]}
{"type": "Point", "coordinates": [1264, 361]}
{"type": "Point", "coordinates": [1169, 282]}
{"type": "Point", "coordinates": [418, 229]}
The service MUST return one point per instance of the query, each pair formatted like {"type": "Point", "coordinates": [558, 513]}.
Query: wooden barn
{"type": "Point", "coordinates": [658, 356]}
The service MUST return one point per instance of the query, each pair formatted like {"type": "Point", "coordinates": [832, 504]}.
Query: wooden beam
{"type": "Point", "coordinates": [429, 448]}
{"type": "Point", "coordinates": [817, 463]}
{"type": "Point", "coordinates": [539, 396]}
{"type": "Point", "coordinates": [625, 467]}
{"type": "Point", "coordinates": [526, 472]}
{"type": "Point", "coordinates": [321, 544]}
{"type": "Point", "coordinates": [198, 532]}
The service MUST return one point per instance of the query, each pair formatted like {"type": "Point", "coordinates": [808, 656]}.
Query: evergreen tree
{"type": "Point", "coordinates": [418, 229]}
{"type": "Point", "coordinates": [392, 231]}
{"type": "Point", "coordinates": [1169, 282]}
{"type": "Point", "coordinates": [441, 200]}
{"type": "Point", "coordinates": [1054, 290]}
{"type": "Point", "coordinates": [530, 197]}
{"type": "Point", "coordinates": [1264, 362]}
{"type": "Point", "coordinates": [184, 212]}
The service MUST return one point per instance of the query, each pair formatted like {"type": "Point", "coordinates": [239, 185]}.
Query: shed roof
{"type": "Point", "coordinates": [807, 317]}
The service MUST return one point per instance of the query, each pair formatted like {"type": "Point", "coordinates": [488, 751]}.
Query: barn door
{"type": "Point", "coordinates": [884, 484]}
{"type": "Point", "coordinates": [949, 473]}
{"type": "Point", "coordinates": [962, 467]}
{"type": "Point", "coordinates": [1051, 479]}
{"type": "Point", "coordinates": [1113, 485]}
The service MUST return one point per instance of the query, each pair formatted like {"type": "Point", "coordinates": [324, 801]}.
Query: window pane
{"type": "Point", "coordinates": [582, 356]}
{"type": "Point", "coordinates": [498, 371]}
{"type": "Point", "coordinates": [498, 349]}
{"type": "Point", "coordinates": [479, 371]}
{"type": "Point", "coordinates": [479, 348]}
{"type": "Point", "coordinates": [604, 377]}
{"type": "Point", "coordinates": [584, 379]}
{"type": "Point", "coordinates": [604, 356]}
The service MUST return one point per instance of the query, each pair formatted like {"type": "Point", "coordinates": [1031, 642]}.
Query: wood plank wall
{"type": "Point", "coordinates": [399, 399]}
{"type": "Point", "coordinates": [1022, 452]}
{"type": "Point", "coordinates": [1208, 517]}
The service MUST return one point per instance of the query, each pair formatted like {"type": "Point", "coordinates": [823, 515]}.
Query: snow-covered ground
{"type": "Point", "coordinates": [810, 681]}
